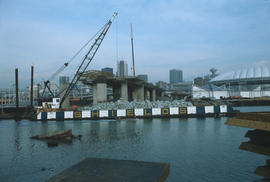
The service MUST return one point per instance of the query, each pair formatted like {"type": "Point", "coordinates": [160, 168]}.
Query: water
{"type": "Point", "coordinates": [198, 149]}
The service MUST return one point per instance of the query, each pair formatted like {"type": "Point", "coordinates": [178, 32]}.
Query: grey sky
{"type": "Point", "coordinates": [183, 34]}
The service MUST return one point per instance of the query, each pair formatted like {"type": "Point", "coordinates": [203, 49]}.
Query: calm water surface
{"type": "Point", "coordinates": [198, 149]}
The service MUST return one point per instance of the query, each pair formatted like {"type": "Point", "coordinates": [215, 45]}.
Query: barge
{"type": "Point", "coordinates": [177, 112]}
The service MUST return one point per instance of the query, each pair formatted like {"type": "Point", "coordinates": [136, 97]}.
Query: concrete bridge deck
{"type": "Point", "coordinates": [126, 88]}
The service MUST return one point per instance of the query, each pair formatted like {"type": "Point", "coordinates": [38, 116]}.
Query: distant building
{"type": "Point", "coordinates": [122, 68]}
{"type": "Point", "coordinates": [183, 87]}
{"type": "Point", "coordinates": [143, 77]}
{"type": "Point", "coordinates": [176, 76]}
{"type": "Point", "coordinates": [162, 85]}
{"type": "Point", "coordinates": [63, 80]}
{"type": "Point", "coordinates": [109, 70]}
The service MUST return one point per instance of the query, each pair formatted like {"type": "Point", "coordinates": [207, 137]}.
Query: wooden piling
{"type": "Point", "coordinates": [32, 84]}
{"type": "Point", "coordinates": [17, 89]}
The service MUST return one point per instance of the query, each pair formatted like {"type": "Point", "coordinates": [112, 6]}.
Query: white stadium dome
{"type": "Point", "coordinates": [246, 73]}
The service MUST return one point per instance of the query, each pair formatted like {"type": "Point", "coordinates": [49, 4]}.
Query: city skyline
{"type": "Point", "coordinates": [195, 36]}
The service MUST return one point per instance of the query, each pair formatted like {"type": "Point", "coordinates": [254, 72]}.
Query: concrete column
{"type": "Point", "coordinates": [138, 93]}
{"type": "Point", "coordinates": [153, 95]}
{"type": "Point", "coordinates": [147, 94]}
{"type": "Point", "coordinates": [99, 92]}
{"type": "Point", "coordinates": [124, 91]}
{"type": "Point", "coordinates": [66, 103]}
{"type": "Point", "coordinates": [116, 93]}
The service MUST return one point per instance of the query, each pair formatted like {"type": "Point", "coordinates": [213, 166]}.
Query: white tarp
{"type": "Point", "coordinates": [191, 110]}
{"type": "Point", "coordinates": [174, 110]}
{"type": "Point", "coordinates": [51, 115]}
{"type": "Point", "coordinates": [121, 112]}
{"type": "Point", "coordinates": [86, 114]}
{"type": "Point", "coordinates": [209, 109]}
{"type": "Point", "coordinates": [156, 111]}
{"type": "Point", "coordinates": [223, 108]}
{"type": "Point", "coordinates": [138, 112]}
{"type": "Point", "coordinates": [103, 113]}
{"type": "Point", "coordinates": [68, 115]}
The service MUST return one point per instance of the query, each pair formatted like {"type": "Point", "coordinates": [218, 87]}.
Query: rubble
{"type": "Point", "coordinates": [120, 104]}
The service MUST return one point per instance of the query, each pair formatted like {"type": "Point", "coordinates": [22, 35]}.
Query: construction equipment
{"type": "Point", "coordinates": [84, 64]}
{"type": "Point", "coordinates": [87, 59]}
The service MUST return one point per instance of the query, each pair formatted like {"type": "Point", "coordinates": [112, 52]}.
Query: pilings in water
{"type": "Point", "coordinates": [17, 93]}
{"type": "Point", "coordinates": [32, 85]}
{"type": "Point", "coordinates": [17, 88]}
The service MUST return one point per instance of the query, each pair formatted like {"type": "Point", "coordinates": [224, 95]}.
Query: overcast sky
{"type": "Point", "coordinates": [191, 35]}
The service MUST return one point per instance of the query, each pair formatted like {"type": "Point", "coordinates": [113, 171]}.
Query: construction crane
{"type": "Point", "coordinates": [62, 68]}
{"type": "Point", "coordinates": [87, 59]}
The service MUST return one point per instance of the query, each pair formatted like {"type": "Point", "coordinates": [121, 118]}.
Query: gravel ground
{"type": "Point", "coordinates": [138, 104]}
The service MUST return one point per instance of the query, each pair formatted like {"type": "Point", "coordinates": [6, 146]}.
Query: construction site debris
{"type": "Point", "coordinates": [120, 104]}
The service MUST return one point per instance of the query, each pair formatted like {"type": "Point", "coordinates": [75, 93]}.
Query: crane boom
{"type": "Point", "coordinates": [87, 59]}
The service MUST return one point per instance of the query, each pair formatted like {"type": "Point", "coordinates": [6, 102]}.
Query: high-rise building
{"type": "Point", "coordinates": [162, 85]}
{"type": "Point", "coordinates": [63, 80]}
{"type": "Point", "coordinates": [108, 70]}
{"type": "Point", "coordinates": [176, 76]}
{"type": "Point", "coordinates": [143, 77]}
{"type": "Point", "coordinates": [122, 68]}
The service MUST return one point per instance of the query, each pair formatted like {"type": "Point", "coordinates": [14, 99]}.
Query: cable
{"type": "Point", "coordinates": [70, 60]}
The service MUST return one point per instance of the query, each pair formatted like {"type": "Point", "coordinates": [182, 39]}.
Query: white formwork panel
{"type": "Point", "coordinates": [86, 114]}
{"type": "Point", "coordinates": [223, 109]}
{"type": "Point", "coordinates": [103, 113]}
{"type": "Point", "coordinates": [51, 115]}
{"type": "Point", "coordinates": [156, 111]}
{"type": "Point", "coordinates": [209, 109]}
{"type": "Point", "coordinates": [174, 110]}
{"type": "Point", "coordinates": [39, 116]}
{"type": "Point", "coordinates": [68, 114]}
{"type": "Point", "coordinates": [121, 113]}
{"type": "Point", "coordinates": [138, 112]}
{"type": "Point", "coordinates": [191, 110]}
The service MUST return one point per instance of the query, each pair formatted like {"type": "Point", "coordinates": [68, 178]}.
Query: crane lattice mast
{"type": "Point", "coordinates": [87, 59]}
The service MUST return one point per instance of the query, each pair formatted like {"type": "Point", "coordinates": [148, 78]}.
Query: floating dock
{"type": "Point", "coordinates": [107, 170]}
{"type": "Point", "coordinates": [185, 112]}
{"type": "Point", "coordinates": [259, 137]}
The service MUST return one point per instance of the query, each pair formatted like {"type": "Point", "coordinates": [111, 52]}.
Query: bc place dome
{"type": "Point", "coordinates": [246, 74]}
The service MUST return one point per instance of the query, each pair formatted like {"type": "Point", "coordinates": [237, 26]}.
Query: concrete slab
{"type": "Point", "coordinates": [107, 170]}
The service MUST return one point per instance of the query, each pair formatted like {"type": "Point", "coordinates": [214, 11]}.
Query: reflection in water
{"type": "Point", "coordinates": [17, 137]}
{"type": "Point", "coordinates": [196, 148]}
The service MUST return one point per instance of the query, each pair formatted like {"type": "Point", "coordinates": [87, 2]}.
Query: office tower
{"type": "Point", "coordinates": [122, 68]}
{"type": "Point", "coordinates": [176, 76]}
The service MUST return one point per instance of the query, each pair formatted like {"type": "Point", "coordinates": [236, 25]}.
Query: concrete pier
{"type": "Point", "coordinates": [66, 103]}
{"type": "Point", "coordinates": [138, 93]}
{"type": "Point", "coordinates": [124, 91]}
{"type": "Point", "coordinates": [153, 95]}
{"type": "Point", "coordinates": [99, 92]}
